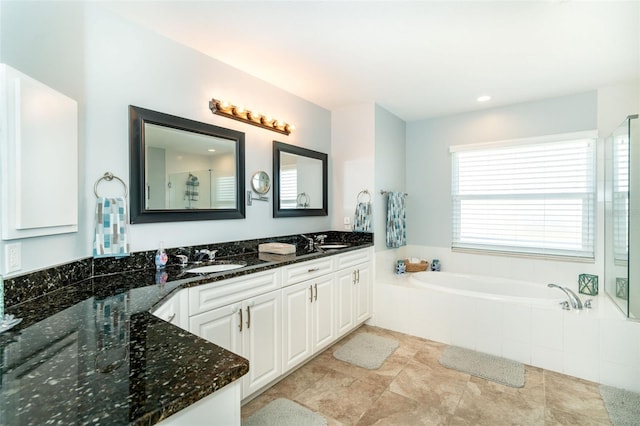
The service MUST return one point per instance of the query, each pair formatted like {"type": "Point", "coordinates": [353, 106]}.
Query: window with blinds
{"type": "Point", "coordinates": [288, 186]}
{"type": "Point", "coordinates": [530, 197]}
{"type": "Point", "coordinates": [225, 192]}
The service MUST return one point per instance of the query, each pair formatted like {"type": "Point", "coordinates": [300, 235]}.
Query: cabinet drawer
{"type": "Point", "coordinates": [305, 271]}
{"type": "Point", "coordinates": [210, 296]}
{"type": "Point", "coordinates": [353, 258]}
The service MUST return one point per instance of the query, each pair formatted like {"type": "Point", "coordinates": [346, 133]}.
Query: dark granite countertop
{"type": "Point", "coordinates": [91, 353]}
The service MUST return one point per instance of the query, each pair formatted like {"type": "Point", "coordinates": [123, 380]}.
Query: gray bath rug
{"type": "Point", "coordinates": [490, 367]}
{"type": "Point", "coordinates": [283, 412]}
{"type": "Point", "coordinates": [623, 406]}
{"type": "Point", "coordinates": [366, 350]}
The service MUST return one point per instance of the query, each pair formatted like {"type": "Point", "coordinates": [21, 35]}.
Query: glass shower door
{"type": "Point", "coordinates": [622, 207]}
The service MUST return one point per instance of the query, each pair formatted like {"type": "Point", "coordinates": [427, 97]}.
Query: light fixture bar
{"type": "Point", "coordinates": [251, 117]}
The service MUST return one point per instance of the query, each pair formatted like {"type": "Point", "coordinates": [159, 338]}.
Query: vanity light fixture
{"type": "Point", "coordinates": [228, 110]}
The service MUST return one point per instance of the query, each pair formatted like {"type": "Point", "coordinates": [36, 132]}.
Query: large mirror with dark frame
{"type": "Point", "coordinates": [183, 170]}
{"type": "Point", "coordinates": [299, 181]}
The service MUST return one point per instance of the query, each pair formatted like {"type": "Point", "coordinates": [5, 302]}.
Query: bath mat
{"type": "Point", "coordinates": [490, 367]}
{"type": "Point", "coordinates": [283, 412]}
{"type": "Point", "coordinates": [366, 350]}
{"type": "Point", "coordinates": [623, 406]}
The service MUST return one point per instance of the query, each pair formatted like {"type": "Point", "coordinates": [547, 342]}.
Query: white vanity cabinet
{"type": "Point", "coordinates": [175, 310]}
{"type": "Point", "coordinates": [354, 293]}
{"type": "Point", "coordinates": [240, 316]}
{"type": "Point", "coordinates": [279, 318]}
{"type": "Point", "coordinates": [308, 318]}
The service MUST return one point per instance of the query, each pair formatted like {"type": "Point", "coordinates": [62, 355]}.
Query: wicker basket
{"type": "Point", "coordinates": [416, 267]}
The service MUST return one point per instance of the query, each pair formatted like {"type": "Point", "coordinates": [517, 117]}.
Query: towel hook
{"type": "Point", "coordinates": [108, 176]}
{"type": "Point", "coordinates": [364, 192]}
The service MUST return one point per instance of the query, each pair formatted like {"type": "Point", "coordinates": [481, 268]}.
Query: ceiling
{"type": "Point", "coordinates": [417, 59]}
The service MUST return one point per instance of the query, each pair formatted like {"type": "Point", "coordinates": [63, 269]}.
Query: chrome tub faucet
{"type": "Point", "coordinates": [573, 298]}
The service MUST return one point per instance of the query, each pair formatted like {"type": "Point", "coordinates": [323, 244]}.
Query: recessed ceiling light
{"type": "Point", "coordinates": [484, 98]}
{"type": "Point", "coordinates": [211, 150]}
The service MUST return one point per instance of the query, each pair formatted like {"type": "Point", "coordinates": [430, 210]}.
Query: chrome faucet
{"type": "Point", "coordinates": [309, 240]}
{"type": "Point", "coordinates": [204, 254]}
{"type": "Point", "coordinates": [320, 238]}
{"type": "Point", "coordinates": [573, 298]}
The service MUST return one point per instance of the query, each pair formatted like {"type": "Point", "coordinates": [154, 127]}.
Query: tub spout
{"type": "Point", "coordinates": [573, 298]}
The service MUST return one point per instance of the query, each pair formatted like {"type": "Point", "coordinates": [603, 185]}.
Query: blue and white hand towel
{"type": "Point", "coordinates": [396, 220]}
{"type": "Point", "coordinates": [112, 228]}
{"type": "Point", "coordinates": [362, 219]}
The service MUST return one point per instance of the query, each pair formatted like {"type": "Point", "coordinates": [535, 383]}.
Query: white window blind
{"type": "Point", "coordinates": [288, 186]}
{"type": "Point", "coordinates": [225, 192]}
{"type": "Point", "coordinates": [533, 198]}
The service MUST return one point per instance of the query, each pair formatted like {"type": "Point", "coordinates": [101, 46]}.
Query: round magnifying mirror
{"type": "Point", "coordinates": [260, 182]}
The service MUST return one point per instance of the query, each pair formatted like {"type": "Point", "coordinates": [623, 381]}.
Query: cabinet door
{"type": "Point", "coordinates": [262, 340]}
{"type": "Point", "coordinates": [362, 297]}
{"type": "Point", "coordinates": [175, 310]}
{"type": "Point", "coordinates": [324, 312]}
{"type": "Point", "coordinates": [345, 281]}
{"type": "Point", "coordinates": [296, 324]}
{"type": "Point", "coordinates": [220, 326]}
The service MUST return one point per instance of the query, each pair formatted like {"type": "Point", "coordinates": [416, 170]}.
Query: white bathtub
{"type": "Point", "coordinates": [488, 288]}
{"type": "Point", "coordinates": [518, 320]}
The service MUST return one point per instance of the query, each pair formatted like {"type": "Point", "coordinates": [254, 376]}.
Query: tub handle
{"type": "Point", "coordinates": [565, 305]}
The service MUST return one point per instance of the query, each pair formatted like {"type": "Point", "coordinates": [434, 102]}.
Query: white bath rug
{"type": "Point", "coordinates": [490, 367]}
{"type": "Point", "coordinates": [366, 350]}
{"type": "Point", "coordinates": [623, 406]}
{"type": "Point", "coordinates": [283, 412]}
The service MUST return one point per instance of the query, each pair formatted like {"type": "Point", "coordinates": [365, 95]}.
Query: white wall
{"type": "Point", "coordinates": [429, 163]}
{"type": "Point", "coordinates": [352, 159]}
{"type": "Point", "coordinates": [45, 41]}
{"type": "Point", "coordinates": [368, 153]}
{"type": "Point", "coordinates": [107, 64]}
{"type": "Point", "coordinates": [389, 169]}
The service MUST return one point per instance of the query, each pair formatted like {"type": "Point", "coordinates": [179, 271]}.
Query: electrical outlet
{"type": "Point", "coordinates": [347, 227]}
{"type": "Point", "coordinates": [346, 221]}
{"type": "Point", "coordinates": [13, 257]}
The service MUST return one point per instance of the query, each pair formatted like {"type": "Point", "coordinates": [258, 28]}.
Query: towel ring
{"type": "Point", "coordinates": [364, 192]}
{"type": "Point", "coordinates": [108, 176]}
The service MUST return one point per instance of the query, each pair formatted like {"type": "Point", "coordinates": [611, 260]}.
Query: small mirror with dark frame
{"type": "Point", "coordinates": [300, 179]}
{"type": "Point", "coordinates": [183, 170]}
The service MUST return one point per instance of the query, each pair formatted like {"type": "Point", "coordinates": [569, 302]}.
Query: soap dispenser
{"type": "Point", "coordinates": [161, 257]}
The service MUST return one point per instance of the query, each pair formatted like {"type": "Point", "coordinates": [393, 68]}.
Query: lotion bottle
{"type": "Point", "coordinates": [161, 257]}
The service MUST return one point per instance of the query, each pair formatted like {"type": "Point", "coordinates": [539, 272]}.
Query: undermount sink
{"type": "Point", "coordinates": [330, 246]}
{"type": "Point", "coordinates": [217, 267]}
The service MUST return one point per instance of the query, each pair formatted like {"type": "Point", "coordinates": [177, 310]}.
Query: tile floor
{"type": "Point", "coordinates": [412, 388]}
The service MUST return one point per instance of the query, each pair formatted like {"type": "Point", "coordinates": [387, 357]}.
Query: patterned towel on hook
{"type": "Point", "coordinates": [112, 229]}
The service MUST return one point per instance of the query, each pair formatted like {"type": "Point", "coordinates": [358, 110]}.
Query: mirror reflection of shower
{"type": "Point", "coordinates": [201, 189]}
